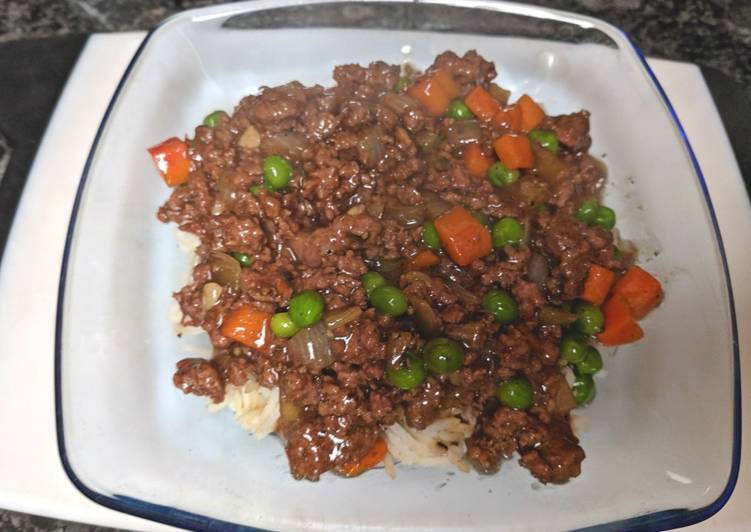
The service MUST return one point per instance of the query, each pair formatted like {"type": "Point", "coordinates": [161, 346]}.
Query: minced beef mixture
{"type": "Point", "coordinates": [305, 190]}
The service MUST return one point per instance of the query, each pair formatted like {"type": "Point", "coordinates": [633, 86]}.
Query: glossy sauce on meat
{"type": "Point", "coordinates": [368, 169]}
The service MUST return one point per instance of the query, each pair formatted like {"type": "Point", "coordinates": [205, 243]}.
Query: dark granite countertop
{"type": "Point", "coordinates": [714, 33]}
{"type": "Point", "coordinates": [711, 33]}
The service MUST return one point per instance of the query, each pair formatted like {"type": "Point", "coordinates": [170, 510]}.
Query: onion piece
{"type": "Point", "coordinates": [550, 315]}
{"type": "Point", "coordinates": [532, 191]}
{"type": "Point", "coordinates": [464, 132]}
{"type": "Point", "coordinates": [375, 206]}
{"type": "Point", "coordinates": [370, 148]}
{"type": "Point", "coordinates": [428, 323]}
{"type": "Point", "coordinates": [250, 138]}
{"type": "Point", "coordinates": [225, 270]}
{"type": "Point", "coordinates": [210, 294]}
{"type": "Point", "coordinates": [285, 143]}
{"type": "Point", "coordinates": [427, 139]}
{"type": "Point", "coordinates": [563, 401]}
{"type": "Point", "coordinates": [391, 269]}
{"type": "Point", "coordinates": [289, 411]}
{"type": "Point", "coordinates": [397, 344]}
{"type": "Point", "coordinates": [413, 277]}
{"type": "Point", "coordinates": [462, 293]}
{"type": "Point", "coordinates": [217, 208]}
{"type": "Point", "coordinates": [499, 93]}
{"type": "Point", "coordinates": [225, 195]}
{"type": "Point", "coordinates": [357, 210]}
{"type": "Point", "coordinates": [311, 347]}
{"type": "Point", "coordinates": [407, 215]}
{"type": "Point", "coordinates": [343, 316]}
{"type": "Point", "coordinates": [400, 102]}
{"type": "Point", "coordinates": [548, 165]}
{"type": "Point", "coordinates": [435, 205]}
{"type": "Point", "coordinates": [537, 269]}
{"type": "Point", "coordinates": [438, 161]}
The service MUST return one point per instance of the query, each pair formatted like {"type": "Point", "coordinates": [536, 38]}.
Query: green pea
{"type": "Point", "coordinates": [306, 308]}
{"type": "Point", "coordinates": [507, 231]}
{"type": "Point", "coordinates": [515, 393]}
{"type": "Point", "coordinates": [583, 389]}
{"type": "Point", "coordinates": [277, 172]}
{"type": "Point", "coordinates": [459, 110]}
{"type": "Point", "coordinates": [245, 260]}
{"type": "Point", "coordinates": [589, 319]}
{"type": "Point", "coordinates": [572, 349]}
{"type": "Point", "coordinates": [481, 217]}
{"type": "Point", "coordinates": [282, 325]}
{"type": "Point", "coordinates": [587, 211]}
{"type": "Point", "coordinates": [443, 355]}
{"type": "Point", "coordinates": [501, 305]}
{"type": "Point", "coordinates": [430, 236]}
{"type": "Point", "coordinates": [408, 376]}
{"type": "Point", "coordinates": [256, 189]}
{"type": "Point", "coordinates": [402, 84]}
{"type": "Point", "coordinates": [212, 119]}
{"type": "Point", "coordinates": [592, 362]}
{"type": "Point", "coordinates": [500, 176]}
{"type": "Point", "coordinates": [604, 217]}
{"type": "Point", "coordinates": [546, 139]}
{"type": "Point", "coordinates": [371, 281]}
{"type": "Point", "coordinates": [389, 300]}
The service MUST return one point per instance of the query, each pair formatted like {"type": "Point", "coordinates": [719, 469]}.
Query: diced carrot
{"type": "Point", "coordinates": [482, 104]}
{"type": "Point", "coordinates": [532, 113]}
{"type": "Point", "coordinates": [463, 237]}
{"type": "Point", "coordinates": [476, 162]}
{"type": "Point", "coordinates": [447, 83]}
{"type": "Point", "coordinates": [641, 291]}
{"type": "Point", "coordinates": [247, 325]}
{"type": "Point", "coordinates": [515, 151]}
{"type": "Point", "coordinates": [510, 117]}
{"type": "Point", "coordinates": [430, 95]}
{"type": "Point", "coordinates": [598, 283]}
{"type": "Point", "coordinates": [171, 159]}
{"type": "Point", "coordinates": [435, 91]}
{"type": "Point", "coordinates": [372, 458]}
{"type": "Point", "coordinates": [620, 326]}
{"type": "Point", "coordinates": [423, 260]}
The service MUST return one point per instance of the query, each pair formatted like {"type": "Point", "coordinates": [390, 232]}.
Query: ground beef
{"type": "Point", "coordinates": [199, 377]}
{"type": "Point", "coordinates": [558, 459]}
{"type": "Point", "coordinates": [423, 406]}
{"type": "Point", "coordinates": [572, 130]}
{"type": "Point", "coordinates": [233, 369]}
{"type": "Point", "coordinates": [370, 166]}
{"type": "Point", "coordinates": [499, 434]}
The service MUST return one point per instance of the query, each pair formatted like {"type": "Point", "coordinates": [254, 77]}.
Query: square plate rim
{"type": "Point", "coordinates": [661, 520]}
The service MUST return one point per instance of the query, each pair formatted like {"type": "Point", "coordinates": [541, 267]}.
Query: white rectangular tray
{"type": "Point", "coordinates": [31, 477]}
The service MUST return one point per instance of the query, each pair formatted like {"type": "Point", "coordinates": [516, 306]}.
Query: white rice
{"type": "Point", "coordinates": [175, 316]}
{"type": "Point", "coordinates": [389, 466]}
{"type": "Point", "coordinates": [439, 445]}
{"type": "Point", "coordinates": [256, 408]}
{"type": "Point", "coordinates": [188, 243]}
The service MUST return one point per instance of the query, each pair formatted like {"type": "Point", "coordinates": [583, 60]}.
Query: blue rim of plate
{"type": "Point", "coordinates": [662, 520]}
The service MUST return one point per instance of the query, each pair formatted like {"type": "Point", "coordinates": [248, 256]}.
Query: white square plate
{"type": "Point", "coordinates": [663, 443]}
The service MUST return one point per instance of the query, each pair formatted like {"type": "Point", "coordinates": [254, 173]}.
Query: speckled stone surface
{"type": "Point", "coordinates": [714, 33]}
{"type": "Point", "coordinates": [711, 33]}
